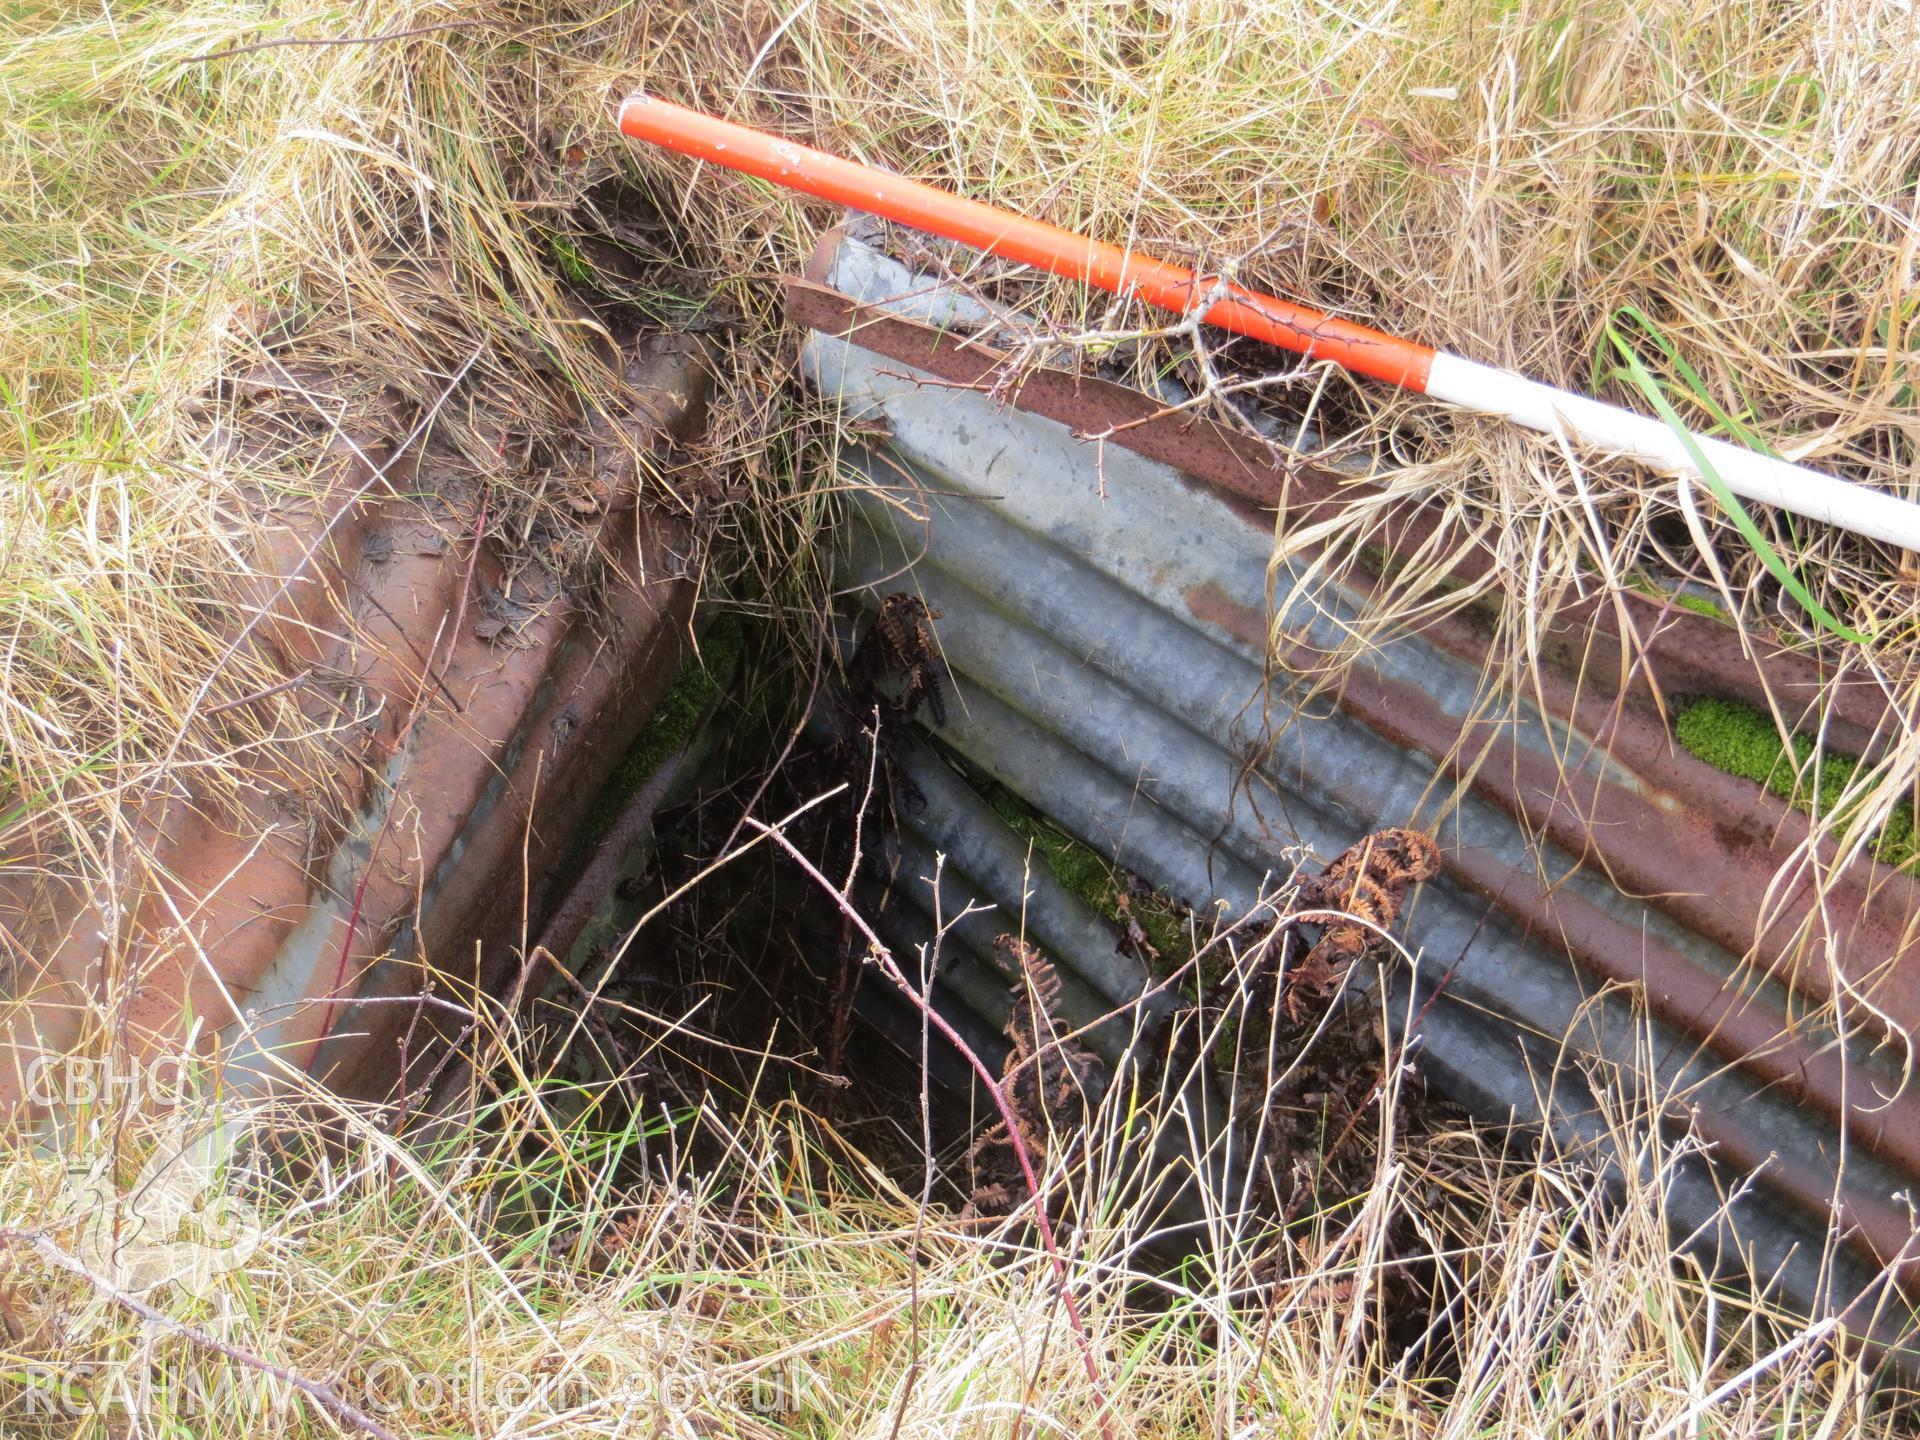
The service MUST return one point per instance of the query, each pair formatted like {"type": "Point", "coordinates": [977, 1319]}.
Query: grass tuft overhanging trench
{"type": "Point", "coordinates": [394, 189]}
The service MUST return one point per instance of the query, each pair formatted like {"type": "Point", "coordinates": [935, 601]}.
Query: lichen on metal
{"type": "Point", "coordinates": [1605, 898]}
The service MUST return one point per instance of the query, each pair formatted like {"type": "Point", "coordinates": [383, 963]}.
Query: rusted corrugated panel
{"type": "Point", "coordinates": [1106, 618]}
{"type": "Point", "coordinates": [476, 716]}
{"type": "Point", "coordinates": [1693, 652]}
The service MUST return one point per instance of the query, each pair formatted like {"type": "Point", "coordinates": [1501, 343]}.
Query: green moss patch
{"type": "Point", "coordinates": [671, 724]}
{"type": "Point", "coordinates": [1701, 605]}
{"type": "Point", "coordinates": [1741, 740]}
{"type": "Point", "coordinates": [568, 260]}
{"type": "Point", "coordinates": [1098, 882]}
{"type": "Point", "coordinates": [1681, 599]}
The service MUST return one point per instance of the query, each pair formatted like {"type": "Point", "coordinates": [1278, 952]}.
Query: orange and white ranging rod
{"type": "Point", "coordinates": [1406, 363]}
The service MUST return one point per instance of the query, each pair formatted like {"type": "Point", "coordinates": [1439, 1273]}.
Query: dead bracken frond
{"type": "Point", "coordinates": [191, 189]}
{"type": "Point", "coordinates": [239, 239]}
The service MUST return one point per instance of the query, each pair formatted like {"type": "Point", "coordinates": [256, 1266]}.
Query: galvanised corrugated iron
{"type": "Point", "coordinates": [1605, 897]}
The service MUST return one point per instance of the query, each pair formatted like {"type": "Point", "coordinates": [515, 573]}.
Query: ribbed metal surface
{"type": "Point", "coordinates": [1104, 617]}
{"type": "Point", "coordinates": [259, 926]}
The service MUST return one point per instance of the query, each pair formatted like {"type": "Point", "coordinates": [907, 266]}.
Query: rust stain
{"type": "Point", "coordinates": [1633, 833]}
{"type": "Point", "coordinates": [1692, 652]}
{"type": "Point", "coordinates": [488, 782]}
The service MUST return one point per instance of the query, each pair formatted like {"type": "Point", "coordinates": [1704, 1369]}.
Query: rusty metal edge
{"type": "Point", "coordinates": [1690, 652]}
{"type": "Point", "coordinates": [1696, 651]}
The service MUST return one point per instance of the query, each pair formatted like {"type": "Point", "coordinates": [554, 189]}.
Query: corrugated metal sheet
{"type": "Point", "coordinates": [1105, 618]}
{"type": "Point", "coordinates": [472, 755]}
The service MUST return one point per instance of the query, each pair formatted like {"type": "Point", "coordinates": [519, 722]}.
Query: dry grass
{"type": "Point", "coordinates": [565, 1267]}
{"type": "Point", "coordinates": [1499, 179]}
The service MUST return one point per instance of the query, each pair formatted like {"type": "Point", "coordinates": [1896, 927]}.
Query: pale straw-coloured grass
{"type": "Point", "coordinates": [563, 1265]}
{"type": "Point", "coordinates": [1500, 179]}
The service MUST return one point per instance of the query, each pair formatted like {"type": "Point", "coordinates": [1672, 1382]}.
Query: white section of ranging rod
{"type": "Point", "coordinates": [1600, 426]}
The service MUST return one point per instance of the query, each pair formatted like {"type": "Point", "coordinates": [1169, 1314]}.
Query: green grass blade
{"type": "Point", "coordinates": [1696, 386]}
{"type": "Point", "coordinates": [1643, 380]}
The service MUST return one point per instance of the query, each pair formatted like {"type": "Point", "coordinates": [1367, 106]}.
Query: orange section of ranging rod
{"type": "Point", "coordinates": [1028, 242]}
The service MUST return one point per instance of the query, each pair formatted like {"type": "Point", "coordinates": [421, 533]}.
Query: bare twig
{"type": "Point", "coordinates": [328, 40]}
{"type": "Point", "coordinates": [883, 957]}
{"type": "Point", "coordinates": [460, 611]}
{"type": "Point", "coordinates": [927, 964]}
{"type": "Point", "coordinates": [292, 682]}
{"type": "Point", "coordinates": [322, 1395]}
